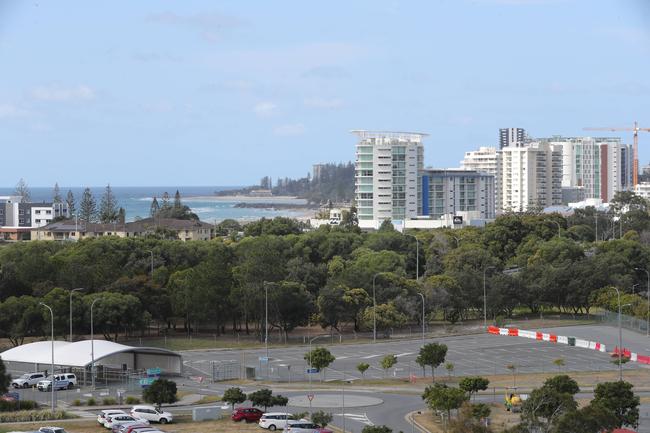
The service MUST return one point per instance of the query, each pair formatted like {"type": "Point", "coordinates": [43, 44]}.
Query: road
{"type": "Point", "coordinates": [472, 354]}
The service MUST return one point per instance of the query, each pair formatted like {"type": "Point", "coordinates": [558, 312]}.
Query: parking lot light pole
{"type": "Point", "coordinates": [52, 373]}
{"type": "Point", "coordinates": [374, 309]}
{"type": "Point", "coordinates": [485, 297]}
{"type": "Point", "coordinates": [647, 327]}
{"type": "Point", "coordinates": [71, 292]}
{"type": "Point", "coordinates": [422, 296]}
{"type": "Point", "coordinates": [92, 344]}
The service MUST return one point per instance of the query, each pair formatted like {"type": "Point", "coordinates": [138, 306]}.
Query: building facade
{"type": "Point", "coordinates": [515, 137]}
{"type": "Point", "coordinates": [18, 218]}
{"type": "Point", "coordinates": [387, 167]}
{"type": "Point", "coordinates": [483, 160]}
{"type": "Point", "coordinates": [529, 177]}
{"type": "Point", "coordinates": [457, 192]}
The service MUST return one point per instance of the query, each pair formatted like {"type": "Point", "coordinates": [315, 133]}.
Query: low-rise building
{"type": "Point", "coordinates": [19, 218]}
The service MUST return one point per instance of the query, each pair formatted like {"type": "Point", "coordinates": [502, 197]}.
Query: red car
{"type": "Point", "coordinates": [248, 414]}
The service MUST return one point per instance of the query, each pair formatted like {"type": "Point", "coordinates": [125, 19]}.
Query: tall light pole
{"type": "Point", "coordinates": [71, 292]}
{"type": "Point", "coordinates": [417, 256]}
{"type": "Point", "coordinates": [374, 309]}
{"type": "Point", "coordinates": [309, 374]}
{"type": "Point", "coordinates": [559, 227]}
{"type": "Point", "coordinates": [92, 344]}
{"type": "Point", "coordinates": [485, 297]}
{"type": "Point", "coordinates": [151, 252]}
{"type": "Point", "coordinates": [634, 288]}
{"type": "Point", "coordinates": [422, 296]}
{"type": "Point", "coordinates": [620, 337]}
{"type": "Point", "coordinates": [647, 327]}
{"type": "Point", "coordinates": [52, 373]}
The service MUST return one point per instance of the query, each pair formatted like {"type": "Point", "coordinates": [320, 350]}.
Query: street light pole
{"type": "Point", "coordinates": [92, 344]}
{"type": "Point", "coordinates": [485, 297]}
{"type": "Point", "coordinates": [374, 309]}
{"type": "Point", "coordinates": [559, 227]}
{"type": "Point", "coordinates": [71, 292]}
{"type": "Point", "coordinates": [309, 374]}
{"type": "Point", "coordinates": [52, 373]}
{"type": "Point", "coordinates": [422, 296]}
{"type": "Point", "coordinates": [266, 321]}
{"type": "Point", "coordinates": [647, 327]}
{"type": "Point", "coordinates": [620, 337]}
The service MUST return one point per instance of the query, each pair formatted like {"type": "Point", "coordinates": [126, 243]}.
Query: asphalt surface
{"type": "Point", "coordinates": [481, 354]}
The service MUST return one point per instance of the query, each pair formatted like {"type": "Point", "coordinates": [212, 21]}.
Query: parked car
{"type": "Point", "coordinates": [151, 414]}
{"type": "Point", "coordinates": [325, 430]}
{"type": "Point", "coordinates": [102, 417]}
{"type": "Point", "coordinates": [51, 430]}
{"type": "Point", "coordinates": [139, 428]}
{"type": "Point", "coordinates": [301, 426]}
{"type": "Point", "coordinates": [275, 420]}
{"type": "Point", "coordinates": [248, 414]}
{"type": "Point", "coordinates": [46, 384]}
{"type": "Point", "coordinates": [122, 419]}
{"type": "Point", "coordinates": [27, 380]}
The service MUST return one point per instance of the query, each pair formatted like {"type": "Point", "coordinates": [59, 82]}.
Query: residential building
{"type": "Point", "coordinates": [386, 178]}
{"type": "Point", "coordinates": [18, 218]}
{"type": "Point", "coordinates": [643, 189]}
{"type": "Point", "coordinates": [602, 166]}
{"type": "Point", "coordinates": [529, 177]}
{"type": "Point", "coordinates": [512, 137]}
{"type": "Point", "coordinates": [456, 192]}
{"type": "Point", "coordinates": [316, 171]}
{"type": "Point", "coordinates": [483, 160]}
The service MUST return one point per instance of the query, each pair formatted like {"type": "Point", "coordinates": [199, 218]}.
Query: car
{"type": "Point", "coordinates": [301, 426]}
{"type": "Point", "coordinates": [151, 414]}
{"type": "Point", "coordinates": [122, 419]}
{"type": "Point", "coordinates": [275, 420]}
{"type": "Point", "coordinates": [325, 430]}
{"type": "Point", "coordinates": [248, 414]}
{"type": "Point", "coordinates": [27, 380]}
{"type": "Point", "coordinates": [51, 430]}
{"type": "Point", "coordinates": [138, 428]}
{"type": "Point", "coordinates": [46, 384]}
{"type": "Point", "coordinates": [102, 417]}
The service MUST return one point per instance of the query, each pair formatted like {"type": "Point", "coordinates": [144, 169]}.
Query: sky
{"type": "Point", "coordinates": [225, 92]}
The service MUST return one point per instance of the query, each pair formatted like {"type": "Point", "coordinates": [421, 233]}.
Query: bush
{"type": "Point", "coordinates": [132, 400]}
{"type": "Point", "coordinates": [91, 402]}
{"type": "Point", "coordinates": [34, 415]}
{"type": "Point", "coordinates": [11, 406]}
{"type": "Point", "coordinates": [77, 402]}
{"type": "Point", "coordinates": [109, 401]}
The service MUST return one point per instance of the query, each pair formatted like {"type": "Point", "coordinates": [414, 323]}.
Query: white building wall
{"type": "Point", "coordinates": [483, 160]}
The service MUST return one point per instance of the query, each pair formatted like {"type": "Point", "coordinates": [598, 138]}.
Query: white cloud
{"type": "Point", "coordinates": [264, 108]}
{"type": "Point", "coordinates": [63, 94]}
{"type": "Point", "coordinates": [289, 129]}
{"type": "Point", "coordinates": [330, 103]}
{"type": "Point", "coordinates": [10, 110]}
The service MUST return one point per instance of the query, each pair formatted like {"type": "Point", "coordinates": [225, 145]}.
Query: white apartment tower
{"type": "Point", "coordinates": [483, 160]}
{"type": "Point", "coordinates": [387, 165]}
{"type": "Point", "coordinates": [529, 177]}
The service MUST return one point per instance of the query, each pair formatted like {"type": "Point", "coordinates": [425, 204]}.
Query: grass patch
{"type": "Point", "coordinates": [34, 415]}
{"type": "Point", "coordinates": [209, 399]}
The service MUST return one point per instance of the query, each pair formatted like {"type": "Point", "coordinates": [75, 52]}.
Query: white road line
{"type": "Point", "coordinates": [359, 417]}
{"type": "Point", "coordinates": [404, 354]}
{"type": "Point", "coordinates": [370, 356]}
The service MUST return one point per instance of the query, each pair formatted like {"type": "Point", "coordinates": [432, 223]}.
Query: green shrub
{"type": "Point", "coordinates": [132, 400]}
{"type": "Point", "coordinates": [91, 402]}
{"type": "Point", "coordinates": [109, 401]}
{"type": "Point", "coordinates": [11, 406]}
{"type": "Point", "coordinates": [77, 402]}
{"type": "Point", "coordinates": [34, 415]}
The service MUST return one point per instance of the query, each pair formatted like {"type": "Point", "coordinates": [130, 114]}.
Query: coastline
{"type": "Point", "coordinates": [245, 198]}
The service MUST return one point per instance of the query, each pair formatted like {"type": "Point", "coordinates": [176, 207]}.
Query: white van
{"type": "Point", "coordinates": [275, 420]}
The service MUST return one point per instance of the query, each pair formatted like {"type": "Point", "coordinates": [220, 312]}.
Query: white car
{"type": "Point", "coordinates": [51, 430]}
{"type": "Point", "coordinates": [122, 419]}
{"type": "Point", "coordinates": [27, 380]}
{"type": "Point", "coordinates": [103, 415]}
{"type": "Point", "coordinates": [46, 385]}
{"type": "Point", "coordinates": [275, 420]}
{"type": "Point", "coordinates": [150, 413]}
{"type": "Point", "coordinates": [302, 426]}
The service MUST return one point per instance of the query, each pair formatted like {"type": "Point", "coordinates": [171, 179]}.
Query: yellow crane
{"type": "Point", "coordinates": [635, 151]}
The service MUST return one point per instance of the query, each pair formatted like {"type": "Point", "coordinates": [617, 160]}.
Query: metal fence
{"type": "Point", "coordinates": [627, 322]}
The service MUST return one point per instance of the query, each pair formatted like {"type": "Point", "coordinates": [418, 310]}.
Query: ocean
{"type": "Point", "coordinates": [201, 199]}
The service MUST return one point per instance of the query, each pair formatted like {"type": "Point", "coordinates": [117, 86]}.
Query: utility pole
{"type": "Point", "coordinates": [647, 328]}
{"type": "Point", "coordinates": [52, 380]}
{"type": "Point", "coordinates": [71, 292]}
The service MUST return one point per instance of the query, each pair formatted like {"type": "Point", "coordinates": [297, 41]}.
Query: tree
{"type": "Point", "coordinates": [545, 406]}
{"type": "Point", "coordinates": [177, 200]}
{"type": "Point", "coordinates": [387, 362]}
{"type": "Point", "coordinates": [441, 397]}
{"type": "Point", "coordinates": [387, 316]}
{"type": "Point", "coordinates": [5, 379]}
{"type": "Point", "coordinates": [165, 205]}
{"type": "Point", "coordinates": [377, 429]}
{"type": "Point", "coordinates": [559, 363]}
{"type": "Point", "coordinates": [56, 195]}
{"type": "Point", "coordinates": [292, 305]}
{"type": "Point", "coordinates": [70, 201]}
{"type": "Point", "coordinates": [592, 418]}
{"type": "Point", "coordinates": [473, 384]}
{"type": "Point", "coordinates": [264, 398]}
{"type": "Point", "coordinates": [432, 354]}
{"type": "Point", "coordinates": [159, 392]}
{"type": "Point", "coordinates": [362, 367]}
{"type": "Point", "coordinates": [319, 358]}
{"type": "Point", "coordinates": [155, 207]}
{"type": "Point", "coordinates": [469, 419]}
{"type": "Point", "coordinates": [562, 383]}
{"type": "Point", "coordinates": [386, 226]}
{"type": "Point", "coordinates": [108, 211]}
{"type": "Point", "coordinates": [87, 207]}
{"type": "Point", "coordinates": [22, 189]}
{"type": "Point", "coordinates": [321, 418]}
{"type": "Point", "coordinates": [234, 396]}
{"type": "Point", "coordinates": [450, 368]}
{"type": "Point", "coordinates": [619, 398]}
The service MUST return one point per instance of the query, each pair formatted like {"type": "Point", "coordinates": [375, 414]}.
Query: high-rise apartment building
{"type": "Point", "coordinates": [602, 166]}
{"type": "Point", "coordinates": [483, 160]}
{"type": "Point", "coordinates": [387, 171]}
{"type": "Point", "coordinates": [511, 137]}
{"type": "Point", "coordinates": [18, 218]}
{"type": "Point", "coordinates": [457, 192]}
{"type": "Point", "coordinates": [529, 177]}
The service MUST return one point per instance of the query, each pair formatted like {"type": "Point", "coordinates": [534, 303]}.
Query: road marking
{"type": "Point", "coordinates": [342, 357]}
{"type": "Point", "coordinates": [370, 356]}
{"type": "Point", "coordinates": [359, 417]}
{"type": "Point", "coordinates": [404, 354]}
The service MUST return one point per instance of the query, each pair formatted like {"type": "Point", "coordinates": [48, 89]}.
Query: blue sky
{"type": "Point", "coordinates": [224, 92]}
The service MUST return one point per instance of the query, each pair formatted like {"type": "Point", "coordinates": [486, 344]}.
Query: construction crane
{"type": "Point", "coordinates": [635, 129]}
